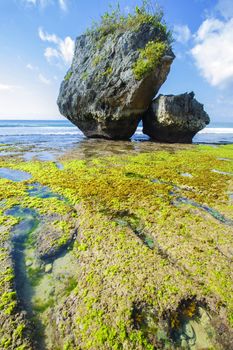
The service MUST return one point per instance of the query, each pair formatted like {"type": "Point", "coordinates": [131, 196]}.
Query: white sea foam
{"type": "Point", "coordinates": [66, 132]}
{"type": "Point", "coordinates": [204, 131]}
{"type": "Point", "coordinates": [6, 131]}
{"type": "Point", "coordinates": [216, 131]}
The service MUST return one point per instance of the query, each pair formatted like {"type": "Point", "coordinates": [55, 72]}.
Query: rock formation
{"type": "Point", "coordinates": [114, 77]}
{"type": "Point", "coordinates": [175, 118]}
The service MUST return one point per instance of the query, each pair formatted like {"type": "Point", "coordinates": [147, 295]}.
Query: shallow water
{"type": "Point", "coordinates": [189, 327]}
{"type": "Point", "coordinates": [59, 165]}
{"type": "Point", "coordinates": [213, 212]}
{"type": "Point", "coordinates": [39, 191]}
{"type": "Point", "coordinates": [14, 175]}
{"type": "Point", "coordinates": [20, 234]}
{"type": "Point", "coordinates": [195, 333]}
{"type": "Point", "coordinates": [46, 155]}
{"type": "Point", "coordinates": [39, 284]}
{"type": "Point", "coordinates": [221, 172]}
{"type": "Point", "coordinates": [147, 240]}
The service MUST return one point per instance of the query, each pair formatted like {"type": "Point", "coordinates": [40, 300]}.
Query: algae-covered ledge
{"type": "Point", "coordinates": [152, 252]}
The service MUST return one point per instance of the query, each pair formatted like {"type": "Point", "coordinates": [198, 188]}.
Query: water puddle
{"type": "Point", "coordinates": [8, 154]}
{"type": "Point", "coordinates": [186, 175]}
{"type": "Point", "coordinates": [161, 182]}
{"type": "Point", "coordinates": [14, 175]}
{"type": "Point", "coordinates": [183, 200]}
{"type": "Point", "coordinates": [221, 172]}
{"type": "Point", "coordinates": [20, 234]}
{"type": "Point", "coordinates": [134, 224]}
{"type": "Point", "coordinates": [42, 155]}
{"type": "Point", "coordinates": [59, 165]}
{"type": "Point", "coordinates": [39, 284]}
{"type": "Point", "coordinates": [189, 327]}
{"type": "Point", "coordinates": [226, 159]}
{"type": "Point", "coordinates": [39, 191]}
{"type": "Point", "coordinates": [192, 329]}
{"type": "Point", "coordinates": [214, 213]}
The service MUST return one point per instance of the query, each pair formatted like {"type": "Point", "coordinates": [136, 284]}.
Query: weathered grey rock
{"type": "Point", "coordinates": [100, 93]}
{"type": "Point", "coordinates": [175, 118]}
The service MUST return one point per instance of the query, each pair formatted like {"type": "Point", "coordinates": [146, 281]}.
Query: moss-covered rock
{"type": "Point", "coordinates": [117, 69]}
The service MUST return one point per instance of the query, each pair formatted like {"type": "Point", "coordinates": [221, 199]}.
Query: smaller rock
{"type": "Point", "coordinates": [175, 118]}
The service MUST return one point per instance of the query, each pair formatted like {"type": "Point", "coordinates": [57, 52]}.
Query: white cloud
{"type": "Point", "coordinates": [41, 3]}
{"type": "Point", "coordinates": [8, 88]}
{"type": "Point", "coordinates": [67, 49]}
{"type": "Point", "coordinates": [43, 79]}
{"type": "Point", "coordinates": [5, 87]}
{"type": "Point", "coordinates": [213, 52]}
{"type": "Point", "coordinates": [63, 5]}
{"type": "Point", "coordinates": [64, 48]}
{"type": "Point", "coordinates": [33, 2]}
{"type": "Point", "coordinates": [52, 38]}
{"type": "Point", "coordinates": [50, 53]}
{"type": "Point", "coordinates": [31, 67]}
{"type": "Point", "coordinates": [225, 7]}
{"type": "Point", "coordinates": [30, 102]}
{"type": "Point", "coordinates": [44, 3]}
{"type": "Point", "coordinates": [182, 33]}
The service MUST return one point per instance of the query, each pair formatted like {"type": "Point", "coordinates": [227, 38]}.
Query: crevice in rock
{"type": "Point", "coordinates": [189, 326]}
{"type": "Point", "coordinates": [127, 219]}
{"type": "Point", "coordinates": [213, 212]}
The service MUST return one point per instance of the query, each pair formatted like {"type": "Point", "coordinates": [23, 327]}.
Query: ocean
{"type": "Point", "coordinates": [61, 134]}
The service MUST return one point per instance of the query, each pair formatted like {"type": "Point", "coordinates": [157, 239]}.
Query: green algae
{"type": "Point", "coordinates": [115, 269]}
{"type": "Point", "coordinates": [149, 59]}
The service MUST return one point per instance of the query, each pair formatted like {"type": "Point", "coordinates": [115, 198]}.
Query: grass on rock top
{"type": "Point", "coordinates": [115, 22]}
{"type": "Point", "coordinates": [192, 250]}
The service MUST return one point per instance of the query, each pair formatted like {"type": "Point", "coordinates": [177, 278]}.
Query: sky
{"type": "Point", "coordinates": [37, 39]}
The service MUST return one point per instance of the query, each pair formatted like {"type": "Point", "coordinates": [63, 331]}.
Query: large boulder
{"type": "Point", "coordinates": [175, 118]}
{"type": "Point", "coordinates": [104, 93]}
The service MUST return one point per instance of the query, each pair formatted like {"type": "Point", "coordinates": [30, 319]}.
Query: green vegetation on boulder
{"type": "Point", "coordinates": [149, 59]}
{"type": "Point", "coordinates": [119, 65]}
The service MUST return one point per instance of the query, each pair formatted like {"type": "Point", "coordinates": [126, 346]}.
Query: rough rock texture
{"type": "Point", "coordinates": [54, 235]}
{"type": "Point", "coordinates": [175, 118]}
{"type": "Point", "coordinates": [100, 93]}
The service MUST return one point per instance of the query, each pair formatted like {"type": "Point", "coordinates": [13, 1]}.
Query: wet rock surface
{"type": "Point", "coordinates": [100, 93]}
{"type": "Point", "coordinates": [54, 235]}
{"type": "Point", "coordinates": [175, 118]}
{"type": "Point", "coordinates": [151, 266]}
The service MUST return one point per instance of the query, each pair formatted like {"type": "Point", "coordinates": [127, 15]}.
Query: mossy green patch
{"type": "Point", "coordinates": [149, 59]}
{"type": "Point", "coordinates": [120, 201]}
{"type": "Point", "coordinates": [116, 21]}
{"type": "Point", "coordinates": [68, 75]}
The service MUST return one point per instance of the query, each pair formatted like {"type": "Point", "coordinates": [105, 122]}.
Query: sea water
{"type": "Point", "coordinates": [61, 134]}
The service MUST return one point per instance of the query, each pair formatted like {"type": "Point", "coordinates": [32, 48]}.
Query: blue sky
{"type": "Point", "coordinates": [37, 41]}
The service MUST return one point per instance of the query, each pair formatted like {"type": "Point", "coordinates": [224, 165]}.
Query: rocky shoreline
{"type": "Point", "coordinates": [141, 272]}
